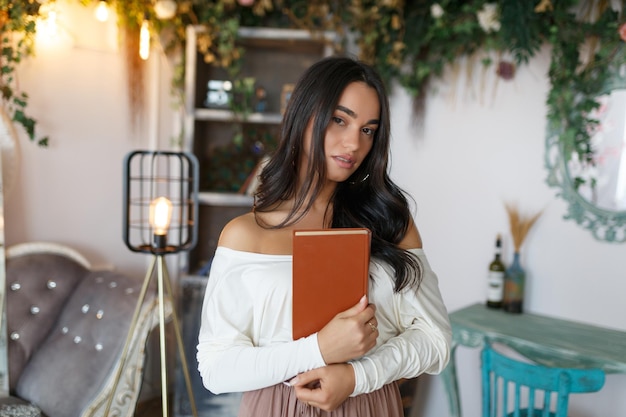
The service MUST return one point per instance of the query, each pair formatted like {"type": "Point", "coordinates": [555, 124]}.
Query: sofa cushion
{"type": "Point", "coordinates": [38, 286]}
{"type": "Point", "coordinates": [65, 374]}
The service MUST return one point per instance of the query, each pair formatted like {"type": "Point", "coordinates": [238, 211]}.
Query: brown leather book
{"type": "Point", "coordinates": [330, 275]}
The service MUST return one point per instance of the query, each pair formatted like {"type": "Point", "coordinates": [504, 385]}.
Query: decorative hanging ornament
{"type": "Point", "coordinates": [506, 70]}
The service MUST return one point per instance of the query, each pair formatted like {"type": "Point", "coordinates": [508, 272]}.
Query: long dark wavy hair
{"type": "Point", "coordinates": [369, 198]}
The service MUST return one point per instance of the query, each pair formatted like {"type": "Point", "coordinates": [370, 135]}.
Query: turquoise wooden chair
{"type": "Point", "coordinates": [514, 388]}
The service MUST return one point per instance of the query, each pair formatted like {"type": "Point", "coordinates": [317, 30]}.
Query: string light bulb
{"type": "Point", "coordinates": [102, 11]}
{"type": "Point", "coordinates": [48, 27]}
{"type": "Point", "coordinates": [165, 9]}
{"type": "Point", "coordinates": [144, 40]}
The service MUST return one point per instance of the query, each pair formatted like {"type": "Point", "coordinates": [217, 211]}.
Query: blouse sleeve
{"type": "Point", "coordinates": [422, 344]}
{"type": "Point", "coordinates": [228, 360]}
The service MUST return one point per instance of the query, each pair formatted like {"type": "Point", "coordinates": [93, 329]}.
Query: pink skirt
{"type": "Point", "coordinates": [280, 401]}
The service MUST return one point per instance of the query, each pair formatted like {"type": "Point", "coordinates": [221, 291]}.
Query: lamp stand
{"type": "Point", "coordinates": [163, 280]}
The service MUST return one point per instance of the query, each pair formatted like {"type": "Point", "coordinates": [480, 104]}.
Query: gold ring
{"type": "Point", "coordinates": [374, 328]}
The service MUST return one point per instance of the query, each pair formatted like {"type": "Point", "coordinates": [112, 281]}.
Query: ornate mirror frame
{"type": "Point", "coordinates": [569, 136]}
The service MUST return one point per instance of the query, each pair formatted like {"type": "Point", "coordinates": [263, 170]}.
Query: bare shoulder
{"type": "Point", "coordinates": [240, 233]}
{"type": "Point", "coordinates": [243, 233]}
{"type": "Point", "coordinates": [412, 238]}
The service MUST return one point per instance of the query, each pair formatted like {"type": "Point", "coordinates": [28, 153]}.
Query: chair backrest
{"type": "Point", "coordinates": [510, 386]}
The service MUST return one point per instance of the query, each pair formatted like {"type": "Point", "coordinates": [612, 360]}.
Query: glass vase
{"type": "Point", "coordinates": [514, 280]}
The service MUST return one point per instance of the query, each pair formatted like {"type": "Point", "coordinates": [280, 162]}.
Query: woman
{"type": "Point", "coordinates": [329, 171]}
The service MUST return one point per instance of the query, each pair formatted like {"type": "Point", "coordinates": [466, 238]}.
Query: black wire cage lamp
{"type": "Point", "coordinates": [160, 218]}
{"type": "Point", "coordinates": [160, 201]}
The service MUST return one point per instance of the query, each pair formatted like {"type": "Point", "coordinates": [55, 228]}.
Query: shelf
{"type": "Point", "coordinates": [219, 115]}
{"type": "Point", "coordinates": [274, 58]}
{"type": "Point", "coordinates": [215, 198]}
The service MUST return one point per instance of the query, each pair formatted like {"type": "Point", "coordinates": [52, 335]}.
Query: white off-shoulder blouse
{"type": "Point", "coordinates": [245, 341]}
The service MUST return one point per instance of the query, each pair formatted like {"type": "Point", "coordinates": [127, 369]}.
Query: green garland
{"type": "Point", "coordinates": [17, 31]}
{"type": "Point", "coordinates": [575, 86]}
{"type": "Point", "coordinates": [410, 41]}
{"type": "Point", "coordinates": [413, 42]}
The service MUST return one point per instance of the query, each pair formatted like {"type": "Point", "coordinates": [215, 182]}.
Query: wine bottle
{"type": "Point", "coordinates": [495, 278]}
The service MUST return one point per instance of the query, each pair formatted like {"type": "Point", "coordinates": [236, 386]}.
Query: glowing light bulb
{"type": "Point", "coordinates": [50, 25]}
{"type": "Point", "coordinates": [50, 34]}
{"type": "Point", "coordinates": [144, 40]}
{"type": "Point", "coordinates": [160, 215]}
{"type": "Point", "coordinates": [102, 11]}
{"type": "Point", "coordinates": [165, 9]}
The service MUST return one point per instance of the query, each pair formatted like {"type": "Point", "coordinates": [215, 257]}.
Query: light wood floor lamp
{"type": "Point", "coordinates": [160, 218]}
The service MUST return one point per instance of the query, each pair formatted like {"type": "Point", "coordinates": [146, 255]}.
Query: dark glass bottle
{"type": "Point", "coordinates": [514, 282]}
{"type": "Point", "coordinates": [495, 278]}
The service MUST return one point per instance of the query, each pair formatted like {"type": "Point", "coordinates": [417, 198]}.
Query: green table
{"type": "Point", "coordinates": [546, 340]}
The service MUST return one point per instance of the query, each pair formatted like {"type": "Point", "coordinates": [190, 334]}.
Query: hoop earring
{"type": "Point", "coordinates": [362, 180]}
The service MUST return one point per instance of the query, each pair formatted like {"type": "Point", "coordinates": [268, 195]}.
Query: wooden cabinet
{"type": "Point", "coordinates": [228, 143]}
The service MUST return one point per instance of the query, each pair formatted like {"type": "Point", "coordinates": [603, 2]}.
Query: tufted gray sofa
{"type": "Point", "coordinates": [66, 327]}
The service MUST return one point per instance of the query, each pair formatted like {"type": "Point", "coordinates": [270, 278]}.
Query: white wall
{"type": "Point", "coordinates": [477, 147]}
{"type": "Point", "coordinates": [71, 192]}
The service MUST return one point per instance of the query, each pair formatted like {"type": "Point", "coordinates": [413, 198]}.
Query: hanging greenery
{"type": "Point", "coordinates": [17, 31]}
{"type": "Point", "coordinates": [410, 42]}
{"type": "Point", "coordinates": [584, 60]}
{"type": "Point", "coordinates": [413, 42]}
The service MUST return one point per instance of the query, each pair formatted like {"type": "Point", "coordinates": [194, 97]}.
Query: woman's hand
{"type": "Point", "coordinates": [325, 387]}
{"type": "Point", "coordinates": [350, 334]}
